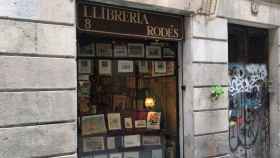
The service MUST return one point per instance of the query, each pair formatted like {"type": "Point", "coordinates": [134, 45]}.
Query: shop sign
{"type": "Point", "coordinates": [100, 18]}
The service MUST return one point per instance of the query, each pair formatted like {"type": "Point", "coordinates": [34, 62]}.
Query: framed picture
{"type": "Point", "coordinates": [104, 50]}
{"type": "Point", "coordinates": [87, 50]}
{"type": "Point", "coordinates": [128, 122]}
{"type": "Point", "coordinates": [153, 120]}
{"type": "Point", "coordinates": [136, 50]}
{"type": "Point", "coordinates": [160, 67]}
{"type": "Point", "coordinates": [93, 124]}
{"type": "Point", "coordinates": [111, 143]}
{"type": "Point", "coordinates": [140, 124]}
{"type": "Point", "coordinates": [120, 102]}
{"type": "Point", "coordinates": [120, 51]}
{"type": "Point", "coordinates": [143, 66]}
{"type": "Point", "coordinates": [131, 155]}
{"type": "Point", "coordinates": [132, 141]}
{"type": "Point", "coordinates": [105, 67]}
{"type": "Point", "coordinates": [83, 77]}
{"type": "Point", "coordinates": [168, 52]}
{"type": "Point", "coordinates": [125, 66]}
{"type": "Point", "coordinates": [170, 68]}
{"type": "Point", "coordinates": [157, 153]}
{"type": "Point", "coordinates": [115, 155]}
{"type": "Point", "coordinates": [151, 140]}
{"type": "Point", "coordinates": [84, 66]}
{"type": "Point", "coordinates": [93, 144]}
{"type": "Point", "coordinates": [84, 88]}
{"type": "Point", "coordinates": [100, 156]}
{"type": "Point", "coordinates": [114, 121]}
{"type": "Point", "coordinates": [153, 51]}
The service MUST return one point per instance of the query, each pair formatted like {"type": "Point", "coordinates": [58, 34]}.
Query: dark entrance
{"type": "Point", "coordinates": [248, 92]}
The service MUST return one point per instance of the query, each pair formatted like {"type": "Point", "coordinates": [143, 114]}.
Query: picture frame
{"type": "Point", "coordinates": [84, 88]}
{"type": "Point", "coordinates": [134, 154]}
{"type": "Point", "coordinates": [159, 67]}
{"type": "Point", "coordinates": [120, 102]}
{"type": "Point", "coordinates": [151, 140]}
{"type": "Point", "coordinates": [125, 66]}
{"type": "Point", "coordinates": [105, 67]}
{"type": "Point", "coordinates": [132, 141]}
{"type": "Point", "coordinates": [143, 66]}
{"type": "Point", "coordinates": [115, 155]}
{"type": "Point", "coordinates": [93, 144]}
{"type": "Point", "coordinates": [128, 123]}
{"type": "Point", "coordinates": [104, 49]}
{"type": "Point", "coordinates": [153, 120]}
{"type": "Point", "coordinates": [120, 50]}
{"type": "Point", "coordinates": [111, 144]}
{"type": "Point", "coordinates": [84, 66]}
{"type": "Point", "coordinates": [140, 124]}
{"type": "Point", "coordinates": [87, 50]}
{"type": "Point", "coordinates": [136, 50]}
{"type": "Point", "coordinates": [153, 51]}
{"type": "Point", "coordinates": [114, 121]}
{"type": "Point", "coordinates": [93, 124]}
{"type": "Point", "coordinates": [168, 52]}
{"type": "Point", "coordinates": [170, 68]}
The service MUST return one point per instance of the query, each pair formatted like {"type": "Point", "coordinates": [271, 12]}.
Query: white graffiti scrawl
{"type": "Point", "coordinates": [246, 78]}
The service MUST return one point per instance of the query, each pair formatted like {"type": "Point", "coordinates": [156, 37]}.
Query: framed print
{"type": "Point", "coordinates": [111, 143]}
{"type": "Point", "coordinates": [143, 66]}
{"type": "Point", "coordinates": [84, 66]}
{"type": "Point", "coordinates": [170, 68]}
{"type": "Point", "coordinates": [83, 77]}
{"type": "Point", "coordinates": [93, 144]}
{"type": "Point", "coordinates": [115, 155]}
{"type": "Point", "coordinates": [168, 52]}
{"type": "Point", "coordinates": [151, 140]}
{"type": "Point", "coordinates": [84, 104]}
{"type": "Point", "coordinates": [128, 122]}
{"type": "Point", "coordinates": [120, 102]}
{"type": "Point", "coordinates": [153, 120]}
{"type": "Point", "coordinates": [125, 66]}
{"type": "Point", "coordinates": [100, 156]}
{"type": "Point", "coordinates": [120, 51]}
{"type": "Point", "coordinates": [104, 50]}
{"type": "Point", "coordinates": [160, 67]}
{"type": "Point", "coordinates": [157, 153]}
{"type": "Point", "coordinates": [105, 67]}
{"type": "Point", "coordinates": [153, 51]}
{"type": "Point", "coordinates": [93, 124]}
{"type": "Point", "coordinates": [132, 141]}
{"type": "Point", "coordinates": [131, 155]}
{"type": "Point", "coordinates": [114, 121]}
{"type": "Point", "coordinates": [136, 50]}
{"type": "Point", "coordinates": [140, 124]}
{"type": "Point", "coordinates": [87, 50]}
{"type": "Point", "coordinates": [84, 88]}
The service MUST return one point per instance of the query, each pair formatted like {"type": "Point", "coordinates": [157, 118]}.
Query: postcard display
{"type": "Point", "coordinates": [115, 77]}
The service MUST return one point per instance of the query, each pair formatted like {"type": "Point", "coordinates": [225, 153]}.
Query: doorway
{"type": "Point", "coordinates": [248, 92]}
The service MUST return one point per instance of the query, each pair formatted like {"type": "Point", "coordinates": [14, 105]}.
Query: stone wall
{"type": "Point", "coordinates": [205, 64]}
{"type": "Point", "coordinates": [38, 79]}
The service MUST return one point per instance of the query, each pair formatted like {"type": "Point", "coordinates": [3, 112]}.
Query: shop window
{"type": "Point", "coordinates": [127, 98]}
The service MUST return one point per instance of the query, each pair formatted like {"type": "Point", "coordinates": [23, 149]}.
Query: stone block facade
{"type": "Point", "coordinates": [38, 102]}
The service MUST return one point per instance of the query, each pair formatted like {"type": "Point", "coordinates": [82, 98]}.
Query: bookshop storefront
{"type": "Point", "coordinates": [127, 82]}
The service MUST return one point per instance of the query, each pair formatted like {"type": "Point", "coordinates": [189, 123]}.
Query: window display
{"type": "Point", "coordinates": [127, 98]}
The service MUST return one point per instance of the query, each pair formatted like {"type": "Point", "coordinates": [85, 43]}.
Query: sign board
{"type": "Point", "coordinates": [105, 19]}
